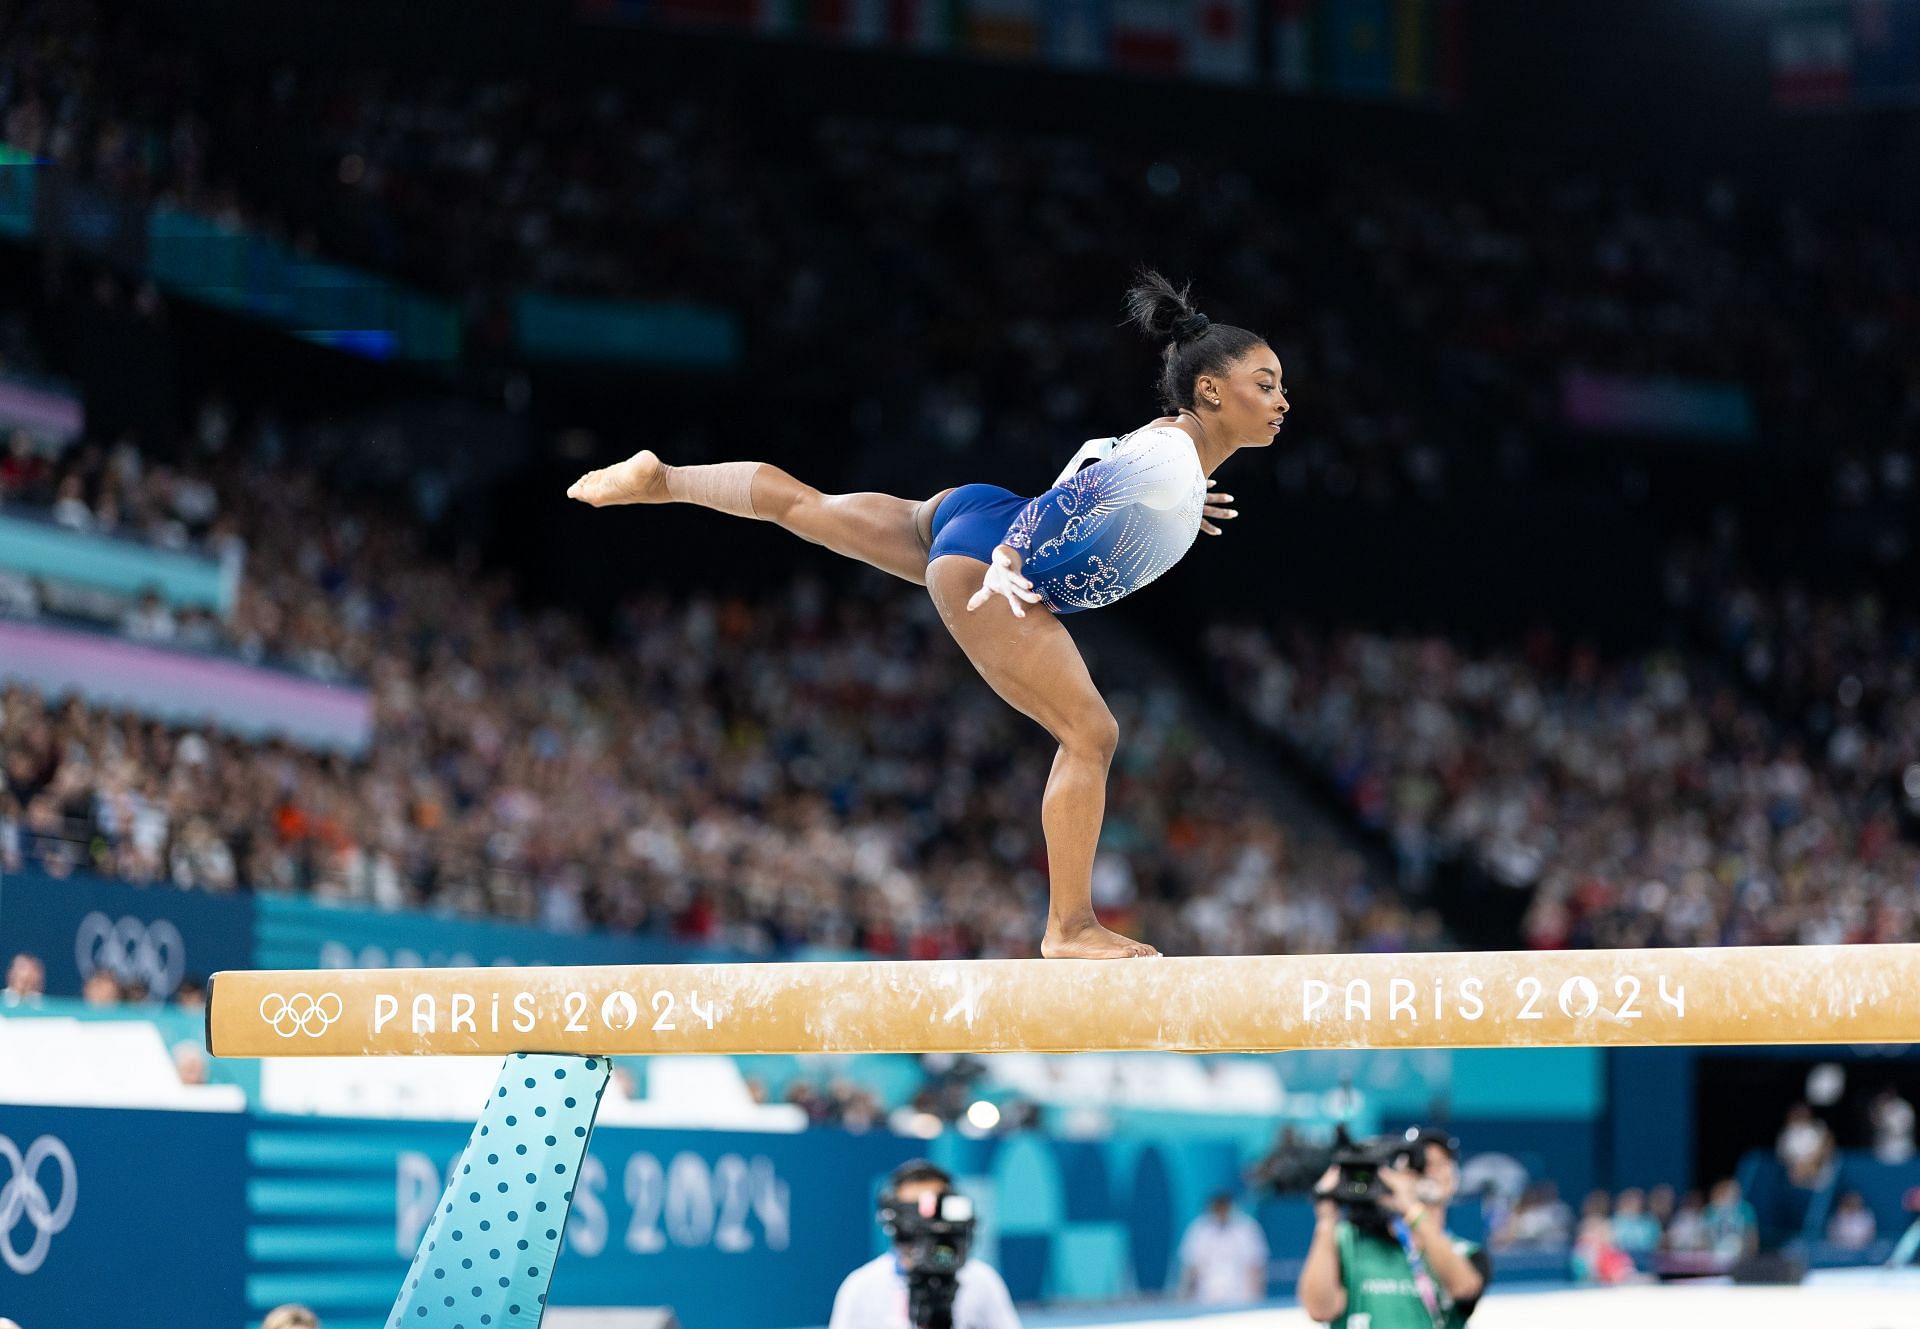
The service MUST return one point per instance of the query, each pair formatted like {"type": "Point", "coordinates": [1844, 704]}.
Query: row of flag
{"type": "Point", "coordinates": [1840, 53]}
{"type": "Point", "coordinates": [1406, 49]}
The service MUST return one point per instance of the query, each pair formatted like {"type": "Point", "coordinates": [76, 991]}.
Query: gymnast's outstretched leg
{"type": "Point", "coordinates": [892, 534]}
{"type": "Point", "coordinates": [1035, 667]}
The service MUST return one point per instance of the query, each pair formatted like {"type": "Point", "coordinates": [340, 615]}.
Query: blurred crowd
{"type": "Point", "coordinates": [113, 490]}
{"type": "Point", "coordinates": [1625, 1236]}
{"type": "Point", "coordinates": [977, 272]}
{"type": "Point", "coordinates": [1647, 801]}
{"type": "Point", "coordinates": [1619, 1238]}
{"type": "Point", "coordinates": [1841, 671]}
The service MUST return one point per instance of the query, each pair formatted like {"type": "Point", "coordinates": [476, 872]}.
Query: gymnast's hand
{"type": "Point", "coordinates": [1003, 578]}
{"type": "Point", "coordinates": [1218, 505]}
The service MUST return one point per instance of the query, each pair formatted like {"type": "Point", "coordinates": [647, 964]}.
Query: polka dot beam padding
{"type": "Point", "coordinates": [486, 1260]}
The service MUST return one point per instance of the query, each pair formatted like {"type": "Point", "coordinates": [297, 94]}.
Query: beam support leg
{"type": "Point", "coordinates": [486, 1260]}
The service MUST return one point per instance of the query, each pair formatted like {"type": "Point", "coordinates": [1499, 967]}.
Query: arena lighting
{"type": "Point", "coordinates": [1730, 995]}
{"type": "Point", "coordinates": [983, 1116]}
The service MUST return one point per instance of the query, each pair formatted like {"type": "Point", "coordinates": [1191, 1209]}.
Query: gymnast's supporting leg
{"type": "Point", "coordinates": [1035, 667]}
{"type": "Point", "coordinates": [892, 534]}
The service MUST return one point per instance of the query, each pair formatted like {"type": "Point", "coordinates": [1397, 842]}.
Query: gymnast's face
{"type": "Point", "coordinates": [1253, 399]}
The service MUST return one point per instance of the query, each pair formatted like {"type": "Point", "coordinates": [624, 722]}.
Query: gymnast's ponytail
{"type": "Point", "coordinates": [1195, 345]}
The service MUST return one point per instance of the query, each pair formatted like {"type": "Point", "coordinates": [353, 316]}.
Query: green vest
{"type": "Point", "coordinates": [1380, 1290]}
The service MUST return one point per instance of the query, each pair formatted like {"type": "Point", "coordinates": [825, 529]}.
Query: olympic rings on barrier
{"type": "Point", "coordinates": [22, 1196]}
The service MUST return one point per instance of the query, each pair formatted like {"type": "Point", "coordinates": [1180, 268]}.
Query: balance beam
{"type": "Point", "coordinates": [1731, 995]}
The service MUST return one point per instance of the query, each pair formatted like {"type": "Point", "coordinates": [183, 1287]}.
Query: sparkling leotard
{"type": "Point", "coordinates": [1113, 527]}
{"type": "Point", "coordinates": [1100, 533]}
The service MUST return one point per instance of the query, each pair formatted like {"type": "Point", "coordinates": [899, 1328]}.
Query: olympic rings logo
{"type": "Point", "coordinates": [301, 1013]}
{"type": "Point", "coordinates": [132, 951]}
{"type": "Point", "coordinates": [22, 1196]}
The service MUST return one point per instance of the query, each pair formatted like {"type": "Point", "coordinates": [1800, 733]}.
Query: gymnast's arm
{"type": "Point", "coordinates": [1035, 541]}
{"type": "Point", "coordinates": [1033, 544]}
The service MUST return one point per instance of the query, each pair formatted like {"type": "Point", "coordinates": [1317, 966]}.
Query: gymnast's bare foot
{"type": "Point", "coordinates": [1090, 941]}
{"type": "Point", "coordinates": [641, 478]}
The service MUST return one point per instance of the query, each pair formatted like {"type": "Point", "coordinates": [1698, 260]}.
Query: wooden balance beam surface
{"type": "Point", "coordinates": [1732, 995]}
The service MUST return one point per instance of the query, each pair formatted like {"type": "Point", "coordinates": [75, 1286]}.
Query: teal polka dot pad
{"type": "Point", "coordinates": [487, 1257]}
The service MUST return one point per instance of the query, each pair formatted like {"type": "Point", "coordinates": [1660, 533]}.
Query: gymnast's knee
{"type": "Point", "coordinates": [1093, 735]}
{"type": "Point", "coordinates": [781, 499]}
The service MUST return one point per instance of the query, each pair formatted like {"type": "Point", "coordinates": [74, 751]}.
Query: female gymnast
{"type": "Point", "coordinates": [1103, 531]}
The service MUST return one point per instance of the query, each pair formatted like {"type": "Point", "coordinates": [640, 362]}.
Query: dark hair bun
{"type": "Point", "coordinates": [1190, 343]}
{"type": "Point", "coordinates": [1162, 310]}
{"type": "Point", "coordinates": [1190, 326]}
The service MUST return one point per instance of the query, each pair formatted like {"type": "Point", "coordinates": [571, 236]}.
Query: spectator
{"type": "Point", "coordinates": [101, 989]}
{"type": "Point", "coordinates": [23, 471]}
{"type": "Point", "coordinates": [1660, 1205]}
{"type": "Point", "coordinates": [1805, 1148]}
{"type": "Point", "coordinates": [19, 595]}
{"type": "Point", "coordinates": [851, 1107]}
{"type": "Point", "coordinates": [1687, 1231]}
{"type": "Point", "coordinates": [70, 506]}
{"type": "Point", "coordinates": [1852, 1227]}
{"type": "Point", "coordinates": [1596, 1258]}
{"type": "Point", "coordinates": [1733, 1230]}
{"type": "Point", "coordinates": [26, 981]}
{"type": "Point", "coordinates": [150, 619]}
{"type": "Point", "coordinates": [1541, 1219]}
{"type": "Point", "coordinates": [1223, 1256]}
{"type": "Point", "coordinates": [1892, 1119]}
{"type": "Point", "coordinates": [1634, 1230]}
{"type": "Point", "coordinates": [290, 1316]}
{"type": "Point", "coordinates": [190, 1062]}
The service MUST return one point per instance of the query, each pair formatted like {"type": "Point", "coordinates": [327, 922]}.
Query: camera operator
{"type": "Point", "coordinates": [927, 1280]}
{"type": "Point", "coordinates": [1382, 1257]}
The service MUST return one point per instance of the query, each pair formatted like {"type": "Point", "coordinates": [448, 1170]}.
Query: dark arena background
{"type": "Point", "coordinates": [1568, 625]}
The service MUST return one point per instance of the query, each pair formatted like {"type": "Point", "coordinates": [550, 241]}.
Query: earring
{"type": "Point", "coordinates": [1214, 400]}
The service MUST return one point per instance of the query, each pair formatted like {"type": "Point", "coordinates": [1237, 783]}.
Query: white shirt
{"type": "Point", "coordinates": [1893, 1131]}
{"type": "Point", "coordinates": [1225, 1259]}
{"type": "Point", "coordinates": [874, 1296]}
{"type": "Point", "coordinates": [1801, 1142]}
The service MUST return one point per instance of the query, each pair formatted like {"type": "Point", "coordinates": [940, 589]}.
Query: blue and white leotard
{"type": "Point", "coordinates": [1098, 535]}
